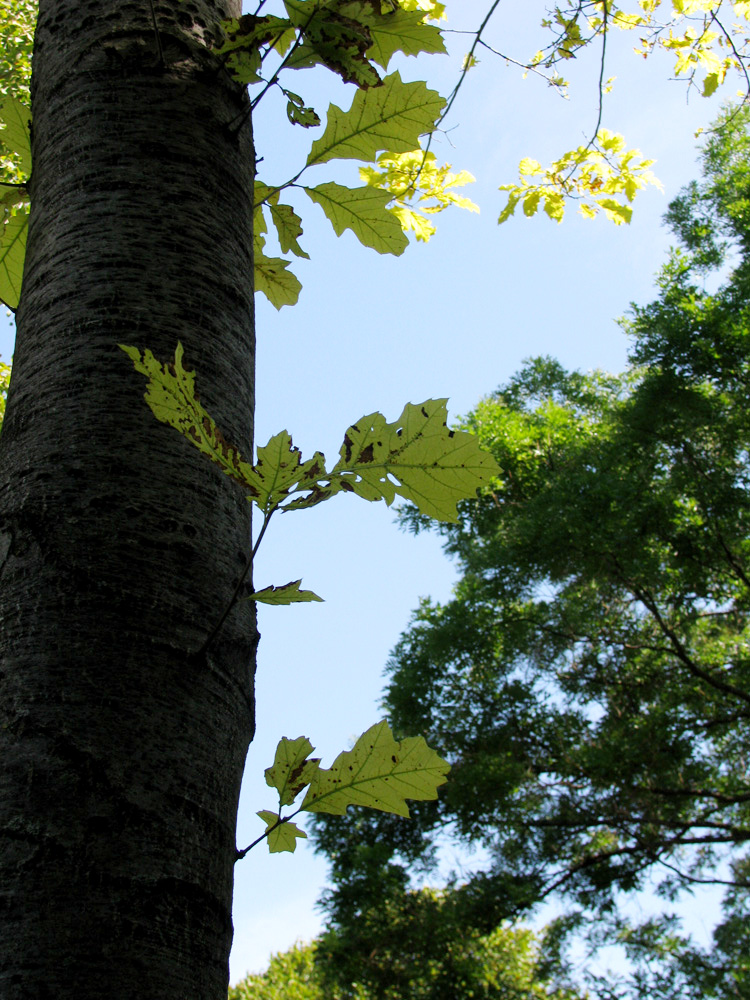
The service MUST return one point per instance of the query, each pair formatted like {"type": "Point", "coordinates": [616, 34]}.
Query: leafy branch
{"type": "Point", "coordinates": [378, 772]}
{"type": "Point", "coordinates": [415, 457]}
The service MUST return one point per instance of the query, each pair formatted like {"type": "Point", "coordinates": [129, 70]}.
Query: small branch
{"type": "Point", "coordinates": [275, 78]}
{"type": "Point", "coordinates": [702, 881]}
{"type": "Point", "coordinates": [454, 94]}
{"type": "Point", "coordinates": [282, 819]}
{"type": "Point", "coordinates": [682, 653]}
{"type": "Point", "coordinates": [235, 594]}
{"type": "Point", "coordinates": [156, 33]}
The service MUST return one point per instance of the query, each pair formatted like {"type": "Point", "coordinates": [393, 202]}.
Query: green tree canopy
{"type": "Point", "coordinates": [417, 946]}
{"type": "Point", "coordinates": [590, 679]}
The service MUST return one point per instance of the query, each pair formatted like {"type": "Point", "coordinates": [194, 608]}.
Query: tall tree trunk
{"type": "Point", "coordinates": [121, 755]}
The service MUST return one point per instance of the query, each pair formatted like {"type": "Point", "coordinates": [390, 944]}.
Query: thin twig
{"type": "Point", "coordinates": [282, 819]}
{"type": "Point", "coordinates": [454, 94]}
{"type": "Point", "coordinates": [235, 594]}
{"type": "Point", "coordinates": [156, 32]}
{"type": "Point", "coordinates": [702, 881]}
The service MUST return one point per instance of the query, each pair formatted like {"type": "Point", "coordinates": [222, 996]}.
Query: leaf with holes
{"type": "Point", "coordinates": [292, 768]}
{"type": "Point", "coordinates": [378, 772]}
{"type": "Point", "coordinates": [280, 287]}
{"type": "Point", "coordinates": [395, 30]}
{"type": "Point", "coordinates": [339, 42]}
{"type": "Point", "coordinates": [288, 593]}
{"type": "Point", "coordinates": [170, 393]}
{"type": "Point", "coordinates": [416, 457]}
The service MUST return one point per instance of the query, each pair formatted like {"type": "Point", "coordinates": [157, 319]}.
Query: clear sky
{"type": "Point", "coordinates": [453, 318]}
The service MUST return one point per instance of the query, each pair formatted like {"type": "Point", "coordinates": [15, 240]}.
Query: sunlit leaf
{"type": "Point", "coordinates": [364, 211]}
{"type": "Point", "coordinates": [378, 772]}
{"type": "Point", "coordinates": [282, 837]}
{"type": "Point", "coordinates": [391, 117]}
{"type": "Point", "coordinates": [288, 593]}
{"type": "Point", "coordinates": [292, 768]}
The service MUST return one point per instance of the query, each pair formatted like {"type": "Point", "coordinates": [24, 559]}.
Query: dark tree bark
{"type": "Point", "coordinates": [120, 544]}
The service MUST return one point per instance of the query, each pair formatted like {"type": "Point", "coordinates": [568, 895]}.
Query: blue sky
{"type": "Point", "coordinates": [451, 318]}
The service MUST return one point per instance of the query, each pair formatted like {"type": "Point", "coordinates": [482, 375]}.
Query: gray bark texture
{"type": "Point", "coordinates": [121, 753]}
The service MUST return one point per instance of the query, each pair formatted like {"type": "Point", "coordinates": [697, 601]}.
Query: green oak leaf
{"type": "Point", "coordinates": [251, 31]}
{"type": "Point", "coordinates": [281, 287]}
{"type": "Point", "coordinates": [284, 836]}
{"type": "Point", "coordinates": [280, 468]}
{"type": "Point", "coordinates": [289, 227]}
{"type": "Point", "coordinates": [170, 393]}
{"type": "Point", "coordinates": [364, 211]}
{"type": "Point", "coordinates": [15, 118]}
{"type": "Point", "coordinates": [288, 593]}
{"type": "Point", "coordinates": [378, 772]}
{"type": "Point", "coordinates": [339, 42]}
{"type": "Point", "coordinates": [292, 768]}
{"type": "Point", "coordinates": [297, 113]}
{"type": "Point", "coordinates": [416, 457]}
{"type": "Point", "coordinates": [12, 256]}
{"type": "Point", "coordinates": [244, 36]}
{"type": "Point", "coordinates": [396, 30]}
{"type": "Point", "coordinates": [391, 117]}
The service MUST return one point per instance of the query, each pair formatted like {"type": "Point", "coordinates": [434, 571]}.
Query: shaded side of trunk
{"type": "Point", "coordinates": [121, 755]}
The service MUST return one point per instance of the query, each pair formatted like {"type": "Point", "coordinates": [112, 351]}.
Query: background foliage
{"type": "Point", "coordinates": [590, 680]}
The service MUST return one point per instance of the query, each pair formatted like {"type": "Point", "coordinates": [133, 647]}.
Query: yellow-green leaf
{"type": "Point", "coordinates": [396, 30]}
{"type": "Point", "coordinates": [378, 772]}
{"type": "Point", "coordinates": [391, 117]}
{"type": "Point", "coordinates": [292, 768]}
{"type": "Point", "coordinates": [364, 211]}
{"type": "Point", "coordinates": [289, 227]}
{"type": "Point", "coordinates": [12, 256]}
{"type": "Point", "coordinates": [288, 593]}
{"type": "Point", "coordinates": [280, 287]}
{"type": "Point", "coordinates": [280, 468]}
{"type": "Point", "coordinates": [170, 393]}
{"type": "Point", "coordinates": [531, 202]}
{"type": "Point", "coordinates": [416, 457]}
{"type": "Point", "coordinates": [14, 135]}
{"type": "Point", "coordinates": [282, 837]}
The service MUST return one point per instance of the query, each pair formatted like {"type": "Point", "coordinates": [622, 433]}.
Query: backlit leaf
{"type": "Point", "coordinates": [15, 118]}
{"type": "Point", "coordinates": [288, 593]}
{"type": "Point", "coordinates": [280, 468]}
{"type": "Point", "coordinates": [337, 41]}
{"type": "Point", "coordinates": [364, 211]}
{"type": "Point", "coordinates": [281, 287]}
{"type": "Point", "coordinates": [396, 30]}
{"type": "Point", "coordinates": [12, 255]}
{"type": "Point", "coordinates": [416, 457]}
{"type": "Point", "coordinates": [378, 772]}
{"type": "Point", "coordinates": [282, 837]}
{"type": "Point", "coordinates": [292, 768]}
{"type": "Point", "coordinates": [289, 227]}
{"type": "Point", "coordinates": [170, 393]}
{"type": "Point", "coordinates": [391, 117]}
